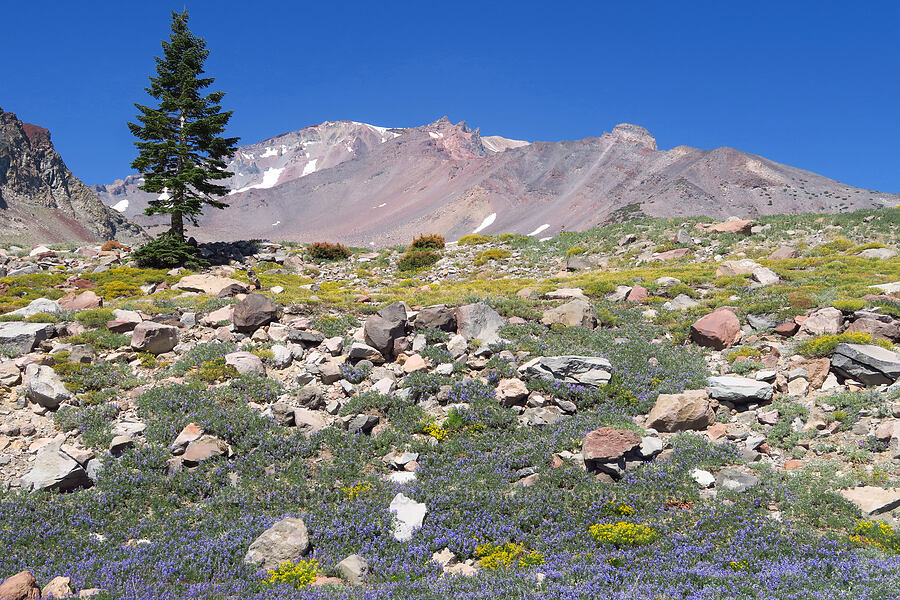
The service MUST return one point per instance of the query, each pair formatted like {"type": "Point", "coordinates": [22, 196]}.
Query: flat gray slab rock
{"type": "Point", "coordinates": [873, 500]}
{"type": "Point", "coordinates": [739, 390]}
{"type": "Point", "coordinates": [866, 363]}
{"type": "Point", "coordinates": [479, 322]}
{"type": "Point", "coordinates": [22, 338]}
{"type": "Point", "coordinates": [55, 470]}
{"type": "Point", "coordinates": [583, 370]}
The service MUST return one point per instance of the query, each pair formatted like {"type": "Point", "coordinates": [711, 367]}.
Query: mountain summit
{"type": "Point", "coordinates": [368, 185]}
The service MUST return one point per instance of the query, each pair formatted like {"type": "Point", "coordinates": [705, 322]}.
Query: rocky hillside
{"type": "Point", "coordinates": [41, 200]}
{"type": "Point", "coordinates": [366, 185]}
{"type": "Point", "coordinates": [661, 408]}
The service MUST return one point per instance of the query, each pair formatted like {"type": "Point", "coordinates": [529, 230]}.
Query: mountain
{"type": "Point", "coordinates": [41, 201]}
{"type": "Point", "coordinates": [366, 185]}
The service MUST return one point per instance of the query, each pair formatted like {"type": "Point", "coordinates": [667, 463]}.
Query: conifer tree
{"type": "Point", "coordinates": [180, 143]}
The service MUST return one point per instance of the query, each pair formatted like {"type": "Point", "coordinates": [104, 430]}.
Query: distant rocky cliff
{"type": "Point", "coordinates": [41, 201]}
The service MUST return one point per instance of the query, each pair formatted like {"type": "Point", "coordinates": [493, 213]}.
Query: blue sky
{"type": "Point", "coordinates": [811, 84]}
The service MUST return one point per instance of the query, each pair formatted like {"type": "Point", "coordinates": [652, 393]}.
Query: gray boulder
{"type": "Point", "coordinates": [384, 327]}
{"type": "Point", "coordinates": [739, 390]}
{"type": "Point", "coordinates": [866, 363]}
{"type": "Point", "coordinates": [354, 569]}
{"type": "Point", "coordinates": [437, 317]}
{"type": "Point", "coordinates": [40, 305]}
{"type": "Point", "coordinates": [575, 313]}
{"type": "Point", "coordinates": [583, 370]}
{"type": "Point", "coordinates": [285, 541]}
{"type": "Point", "coordinates": [22, 338]}
{"type": "Point", "coordinates": [55, 470]}
{"type": "Point", "coordinates": [245, 363]}
{"type": "Point", "coordinates": [154, 338]}
{"type": "Point", "coordinates": [44, 387]}
{"type": "Point", "coordinates": [735, 480]}
{"type": "Point", "coordinates": [479, 322]}
{"type": "Point", "coordinates": [253, 312]}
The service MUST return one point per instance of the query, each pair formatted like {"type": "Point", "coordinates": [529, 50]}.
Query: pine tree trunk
{"type": "Point", "coordinates": [177, 227]}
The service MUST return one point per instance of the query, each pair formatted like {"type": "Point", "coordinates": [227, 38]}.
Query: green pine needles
{"type": "Point", "coordinates": [180, 144]}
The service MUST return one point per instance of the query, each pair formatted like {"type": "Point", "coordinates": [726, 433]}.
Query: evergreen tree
{"type": "Point", "coordinates": [180, 146]}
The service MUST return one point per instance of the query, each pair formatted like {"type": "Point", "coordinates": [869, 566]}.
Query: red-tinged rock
{"type": "Point", "coordinates": [325, 580]}
{"type": "Point", "coordinates": [740, 227]}
{"type": "Point", "coordinates": [790, 465]}
{"type": "Point", "coordinates": [363, 299]}
{"type": "Point", "coordinates": [637, 294]}
{"type": "Point", "coordinates": [719, 329]}
{"type": "Point", "coordinates": [817, 370]}
{"type": "Point", "coordinates": [83, 301]}
{"type": "Point", "coordinates": [21, 586]}
{"type": "Point", "coordinates": [783, 253]}
{"type": "Point", "coordinates": [81, 284]}
{"type": "Point", "coordinates": [517, 321]}
{"type": "Point", "coordinates": [204, 448]}
{"type": "Point", "coordinates": [607, 444]}
{"type": "Point", "coordinates": [672, 254]}
{"type": "Point", "coordinates": [717, 431]}
{"type": "Point", "coordinates": [787, 329]}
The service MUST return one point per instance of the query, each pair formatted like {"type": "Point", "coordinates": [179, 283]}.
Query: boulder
{"type": "Point", "coordinates": [40, 305]}
{"type": "Point", "coordinates": [285, 541]}
{"type": "Point", "coordinates": [583, 370]}
{"type": "Point", "coordinates": [204, 448]}
{"type": "Point", "coordinates": [44, 387]}
{"type": "Point", "coordinates": [680, 302]}
{"type": "Point", "coordinates": [877, 325]}
{"type": "Point", "coordinates": [190, 433]}
{"type": "Point", "coordinates": [408, 516]}
{"type": "Point", "coordinates": [730, 268]}
{"type": "Point", "coordinates": [866, 363]}
{"type": "Point", "coordinates": [826, 320]}
{"type": "Point", "coordinates": [354, 569]}
{"type": "Point", "coordinates": [575, 313]}
{"type": "Point", "coordinates": [83, 301]}
{"type": "Point", "coordinates": [245, 363]}
{"type": "Point", "coordinates": [735, 480]}
{"type": "Point", "coordinates": [22, 338]}
{"type": "Point", "coordinates": [675, 254]}
{"type": "Point", "coordinates": [58, 587]}
{"type": "Point", "coordinates": [784, 252]}
{"type": "Point", "coordinates": [309, 421]}
{"type": "Point", "coordinates": [21, 586]}
{"type": "Point", "coordinates": [360, 351]}
{"type": "Point", "coordinates": [124, 320]}
{"type": "Point", "coordinates": [253, 312]}
{"type": "Point", "coordinates": [511, 392]}
{"type": "Point", "coordinates": [384, 327]}
{"type": "Point", "coordinates": [154, 338]}
{"type": "Point", "coordinates": [873, 500]}
{"type": "Point", "coordinates": [739, 390]}
{"type": "Point", "coordinates": [765, 276]}
{"type": "Point", "coordinates": [787, 328]}
{"type": "Point", "coordinates": [209, 284]}
{"type": "Point", "coordinates": [736, 226]}
{"type": "Point", "coordinates": [55, 470]}
{"type": "Point", "coordinates": [437, 317]}
{"type": "Point", "coordinates": [637, 294]}
{"type": "Point", "coordinates": [880, 253]}
{"type": "Point", "coordinates": [680, 412]}
{"type": "Point", "coordinates": [607, 446]}
{"type": "Point", "coordinates": [479, 322]}
{"type": "Point", "coordinates": [719, 329]}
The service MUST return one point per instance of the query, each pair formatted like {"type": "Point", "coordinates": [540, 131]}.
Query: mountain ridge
{"type": "Point", "coordinates": [373, 186]}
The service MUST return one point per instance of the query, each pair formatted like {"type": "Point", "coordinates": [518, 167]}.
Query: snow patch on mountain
{"type": "Point", "coordinates": [309, 168]}
{"type": "Point", "coordinates": [488, 221]}
{"type": "Point", "coordinates": [121, 205]}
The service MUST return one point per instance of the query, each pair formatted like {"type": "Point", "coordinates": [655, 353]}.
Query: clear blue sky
{"type": "Point", "coordinates": [811, 84]}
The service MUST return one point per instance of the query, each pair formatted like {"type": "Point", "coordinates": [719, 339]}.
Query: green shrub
{"type": "Point", "coordinates": [42, 317]}
{"type": "Point", "coordinates": [169, 251]}
{"type": "Point", "coordinates": [431, 241]}
{"type": "Point", "coordinates": [849, 306]}
{"type": "Point", "coordinates": [328, 251]}
{"type": "Point", "coordinates": [473, 240]}
{"type": "Point", "coordinates": [492, 254]}
{"type": "Point", "coordinates": [417, 259]}
{"type": "Point", "coordinates": [824, 345]}
{"type": "Point", "coordinates": [94, 317]}
{"type": "Point", "coordinates": [99, 339]}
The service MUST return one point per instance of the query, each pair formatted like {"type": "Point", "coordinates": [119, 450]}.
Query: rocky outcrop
{"type": "Point", "coordinates": [285, 541]}
{"type": "Point", "coordinates": [41, 200]}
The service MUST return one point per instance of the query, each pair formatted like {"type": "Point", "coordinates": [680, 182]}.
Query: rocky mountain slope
{"type": "Point", "coordinates": [588, 416]}
{"type": "Point", "coordinates": [367, 185]}
{"type": "Point", "coordinates": [41, 201]}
